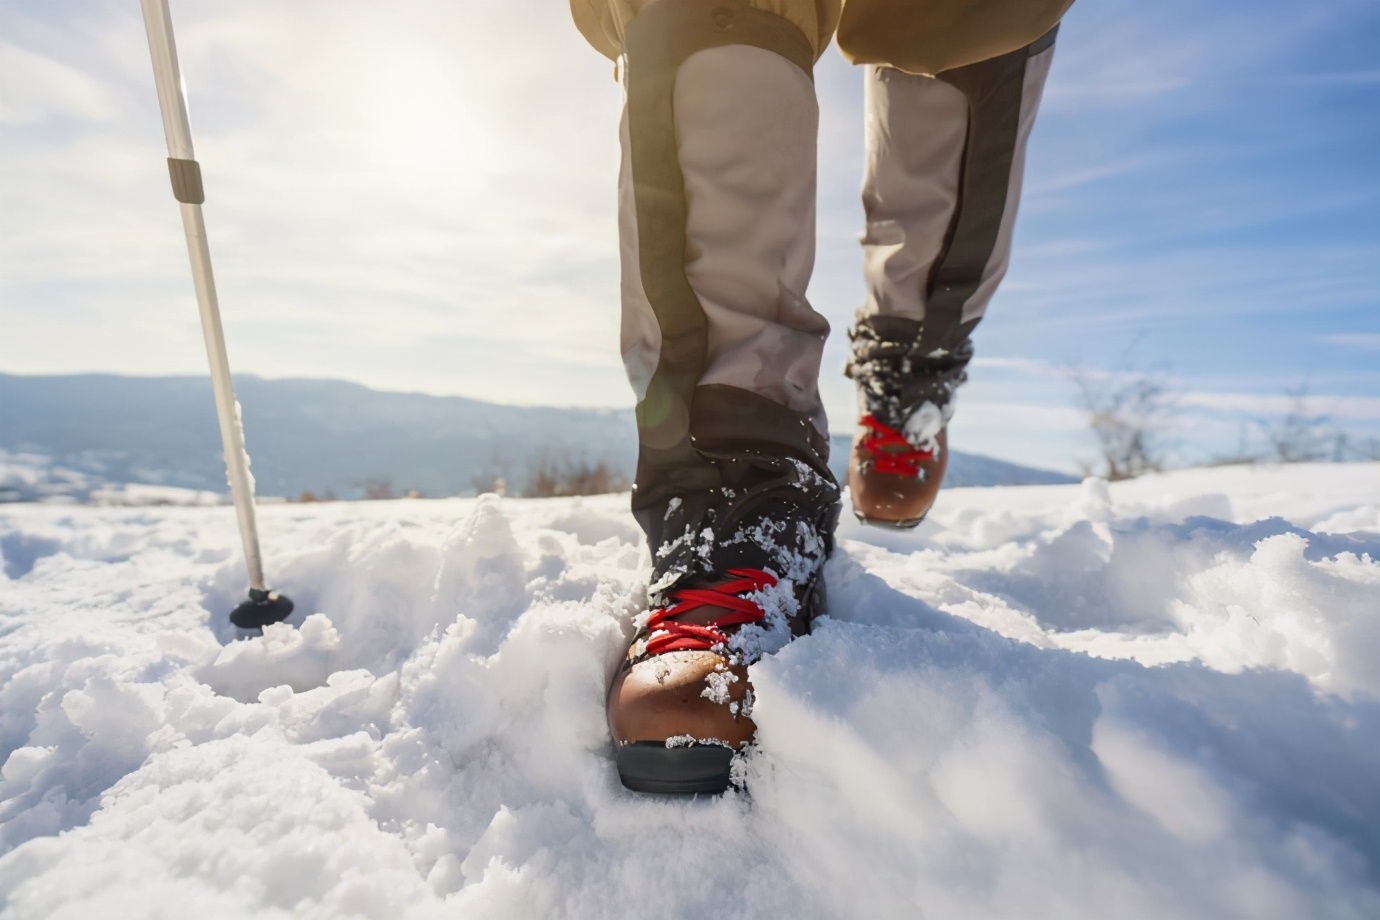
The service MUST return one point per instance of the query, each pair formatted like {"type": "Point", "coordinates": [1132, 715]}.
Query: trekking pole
{"type": "Point", "coordinates": [264, 606]}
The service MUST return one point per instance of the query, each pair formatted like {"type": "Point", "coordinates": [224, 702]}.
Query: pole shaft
{"type": "Point", "coordinates": [172, 103]}
{"type": "Point", "coordinates": [167, 76]}
{"type": "Point", "coordinates": [227, 407]}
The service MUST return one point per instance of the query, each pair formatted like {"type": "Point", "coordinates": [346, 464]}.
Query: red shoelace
{"type": "Point", "coordinates": [668, 635]}
{"type": "Point", "coordinates": [891, 452]}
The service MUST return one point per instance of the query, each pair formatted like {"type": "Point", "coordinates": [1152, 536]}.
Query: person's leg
{"type": "Point", "coordinates": [717, 220]}
{"type": "Point", "coordinates": [945, 158]}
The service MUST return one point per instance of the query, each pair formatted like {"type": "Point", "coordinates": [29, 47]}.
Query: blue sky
{"type": "Point", "coordinates": [419, 196]}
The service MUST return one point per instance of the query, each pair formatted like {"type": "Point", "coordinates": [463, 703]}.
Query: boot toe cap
{"type": "Point", "coordinates": [893, 498]}
{"type": "Point", "coordinates": [678, 694]}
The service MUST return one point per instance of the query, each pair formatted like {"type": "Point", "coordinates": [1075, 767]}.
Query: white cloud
{"type": "Point", "coordinates": [1035, 367]}
{"type": "Point", "coordinates": [1366, 341]}
{"type": "Point", "coordinates": [1022, 416]}
{"type": "Point", "coordinates": [1116, 168]}
{"type": "Point", "coordinates": [1360, 408]}
{"type": "Point", "coordinates": [418, 197]}
{"type": "Point", "coordinates": [37, 89]}
{"type": "Point", "coordinates": [1338, 78]}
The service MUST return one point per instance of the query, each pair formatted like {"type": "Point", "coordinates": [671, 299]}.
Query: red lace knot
{"type": "Point", "coordinates": [889, 449]}
{"type": "Point", "coordinates": [666, 634]}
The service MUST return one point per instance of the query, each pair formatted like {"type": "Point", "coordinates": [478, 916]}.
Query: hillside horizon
{"type": "Point", "coordinates": [335, 436]}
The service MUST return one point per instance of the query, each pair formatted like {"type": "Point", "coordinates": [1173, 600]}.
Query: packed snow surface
{"type": "Point", "coordinates": [1154, 699]}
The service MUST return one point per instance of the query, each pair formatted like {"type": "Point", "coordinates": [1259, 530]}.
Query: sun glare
{"type": "Point", "coordinates": [419, 123]}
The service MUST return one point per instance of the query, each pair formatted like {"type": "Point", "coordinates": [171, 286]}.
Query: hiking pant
{"type": "Point", "coordinates": [717, 212]}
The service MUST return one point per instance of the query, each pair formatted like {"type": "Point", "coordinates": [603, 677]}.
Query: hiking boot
{"type": "Point", "coordinates": [906, 398]}
{"type": "Point", "coordinates": [740, 576]}
{"type": "Point", "coordinates": [681, 704]}
{"type": "Point", "coordinates": [893, 482]}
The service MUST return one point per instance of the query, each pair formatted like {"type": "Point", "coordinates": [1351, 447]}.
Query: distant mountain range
{"type": "Point", "coordinates": [323, 436]}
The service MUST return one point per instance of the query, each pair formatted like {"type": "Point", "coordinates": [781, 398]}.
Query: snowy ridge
{"type": "Point", "coordinates": [323, 436]}
{"type": "Point", "coordinates": [36, 478]}
{"type": "Point", "coordinates": [1155, 699]}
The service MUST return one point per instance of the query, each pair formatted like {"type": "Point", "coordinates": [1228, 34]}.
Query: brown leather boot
{"type": "Point", "coordinates": [680, 706]}
{"type": "Point", "coordinates": [906, 398]}
{"type": "Point", "coordinates": [894, 483]}
{"type": "Point", "coordinates": [682, 692]}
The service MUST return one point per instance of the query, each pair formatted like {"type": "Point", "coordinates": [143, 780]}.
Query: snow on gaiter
{"type": "Point", "coordinates": [944, 161]}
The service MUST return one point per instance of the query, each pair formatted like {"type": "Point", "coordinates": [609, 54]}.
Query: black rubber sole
{"type": "Point", "coordinates": [650, 766]}
{"type": "Point", "coordinates": [890, 525]}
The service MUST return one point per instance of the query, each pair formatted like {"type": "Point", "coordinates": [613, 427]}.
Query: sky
{"type": "Point", "coordinates": [420, 196]}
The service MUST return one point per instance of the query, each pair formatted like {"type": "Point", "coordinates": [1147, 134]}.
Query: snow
{"type": "Point", "coordinates": [35, 477]}
{"type": "Point", "coordinates": [237, 425]}
{"type": "Point", "coordinates": [923, 426]}
{"type": "Point", "coordinates": [1150, 699]}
